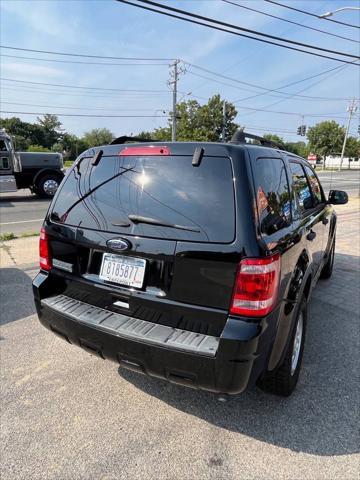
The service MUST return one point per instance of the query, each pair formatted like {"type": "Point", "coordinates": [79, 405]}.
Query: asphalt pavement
{"type": "Point", "coordinates": [22, 212]}
{"type": "Point", "coordinates": [68, 415]}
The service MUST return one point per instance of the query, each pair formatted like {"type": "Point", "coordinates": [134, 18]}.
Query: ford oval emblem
{"type": "Point", "coordinates": [118, 244]}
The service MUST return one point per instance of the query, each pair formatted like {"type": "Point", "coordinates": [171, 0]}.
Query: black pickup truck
{"type": "Point", "coordinates": [40, 172]}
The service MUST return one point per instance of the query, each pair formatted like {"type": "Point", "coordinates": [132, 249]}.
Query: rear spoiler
{"type": "Point", "coordinates": [124, 139]}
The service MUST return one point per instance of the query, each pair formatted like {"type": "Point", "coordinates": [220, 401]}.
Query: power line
{"type": "Point", "coordinates": [87, 55]}
{"type": "Point", "coordinates": [86, 63]}
{"type": "Point", "coordinates": [302, 90]}
{"type": "Point", "coordinates": [85, 108]}
{"type": "Point", "coordinates": [105, 95]}
{"type": "Point", "coordinates": [190, 64]}
{"type": "Point", "coordinates": [284, 95]}
{"type": "Point", "coordinates": [297, 114]}
{"type": "Point", "coordinates": [82, 87]}
{"type": "Point", "coordinates": [85, 115]}
{"type": "Point", "coordinates": [243, 29]}
{"type": "Point", "coordinates": [289, 21]}
{"type": "Point", "coordinates": [311, 14]}
{"type": "Point", "coordinates": [263, 88]}
{"type": "Point", "coordinates": [207, 19]}
{"type": "Point", "coordinates": [297, 94]}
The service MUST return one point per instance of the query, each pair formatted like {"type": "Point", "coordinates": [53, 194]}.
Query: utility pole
{"type": "Point", "coordinates": [174, 79]}
{"type": "Point", "coordinates": [224, 121]}
{"type": "Point", "coordinates": [351, 109]}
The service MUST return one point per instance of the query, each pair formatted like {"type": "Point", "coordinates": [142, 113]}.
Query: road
{"type": "Point", "coordinates": [22, 212]}
{"type": "Point", "coordinates": [68, 415]}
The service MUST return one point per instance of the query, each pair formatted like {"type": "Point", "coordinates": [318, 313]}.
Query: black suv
{"type": "Point", "coordinates": [192, 262]}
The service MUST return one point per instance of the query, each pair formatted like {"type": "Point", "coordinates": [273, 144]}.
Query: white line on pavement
{"type": "Point", "coordinates": [23, 221]}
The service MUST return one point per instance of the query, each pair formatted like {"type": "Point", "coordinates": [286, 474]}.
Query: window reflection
{"type": "Point", "coordinates": [273, 196]}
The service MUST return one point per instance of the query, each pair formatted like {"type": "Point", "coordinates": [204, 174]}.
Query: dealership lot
{"type": "Point", "coordinates": [68, 415]}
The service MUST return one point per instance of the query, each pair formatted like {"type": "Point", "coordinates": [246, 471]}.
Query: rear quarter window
{"type": "Point", "coordinates": [301, 189]}
{"type": "Point", "coordinates": [272, 194]}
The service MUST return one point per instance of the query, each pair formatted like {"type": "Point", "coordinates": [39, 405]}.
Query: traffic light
{"type": "Point", "coordinates": [301, 130]}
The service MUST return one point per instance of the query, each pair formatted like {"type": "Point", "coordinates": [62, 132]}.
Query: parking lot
{"type": "Point", "coordinates": [22, 212]}
{"type": "Point", "coordinates": [68, 415]}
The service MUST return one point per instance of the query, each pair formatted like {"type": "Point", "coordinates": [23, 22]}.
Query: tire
{"type": "Point", "coordinates": [47, 185]}
{"type": "Point", "coordinates": [327, 269]}
{"type": "Point", "coordinates": [283, 380]}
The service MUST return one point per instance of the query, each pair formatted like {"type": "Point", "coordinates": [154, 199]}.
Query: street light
{"type": "Point", "coordinates": [330, 14]}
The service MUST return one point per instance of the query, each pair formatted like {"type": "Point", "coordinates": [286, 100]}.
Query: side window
{"type": "Point", "coordinates": [314, 185]}
{"type": "Point", "coordinates": [4, 163]}
{"type": "Point", "coordinates": [272, 194]}
{"type": "Point", "coordinates": [303, 199]}
{"type": "Point", "coordinates": [3, 146]}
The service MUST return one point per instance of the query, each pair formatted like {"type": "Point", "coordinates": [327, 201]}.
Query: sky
{"type": "Point", "coordinates": [110, 28]}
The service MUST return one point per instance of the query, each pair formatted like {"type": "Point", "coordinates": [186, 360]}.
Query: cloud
{"type": "Point", "coordinates": [44, 16]}
{"type": "Point", "coordinates": [25, 70]}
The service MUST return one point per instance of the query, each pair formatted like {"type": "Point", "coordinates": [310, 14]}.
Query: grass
{"type": "Point", "coordinates": [68, 163]}
{"type": "Point", "coordinates": [7, 236]}
{"type": "Point", "coordinates": [11, 236]}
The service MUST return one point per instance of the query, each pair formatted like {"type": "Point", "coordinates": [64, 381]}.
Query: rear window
{"type": "Point", "coordinates": [198, 201]}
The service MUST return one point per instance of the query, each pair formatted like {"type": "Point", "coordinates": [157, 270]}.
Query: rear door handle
{"type": "Point", "coordinates": [325, 221]}
{"type": "Point", "coordinates": [311, 235]}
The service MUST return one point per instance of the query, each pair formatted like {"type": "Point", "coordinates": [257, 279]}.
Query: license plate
{"type": "Point", "coordinates": [123, 270]}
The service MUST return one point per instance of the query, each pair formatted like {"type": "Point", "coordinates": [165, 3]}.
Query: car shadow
{"type": "Point", "coordinates": [17, 300]}
{"type": "Point", "coordinates": [321, 417]}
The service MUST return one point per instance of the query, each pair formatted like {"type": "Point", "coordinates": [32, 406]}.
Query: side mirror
{"type": "Point", "coordinates": [338, 197]}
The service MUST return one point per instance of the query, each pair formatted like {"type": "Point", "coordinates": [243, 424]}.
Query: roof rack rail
{"type": "Point", "coordinates": [240, 137]}
{"type": "Point", "coordinates": [124, 139]}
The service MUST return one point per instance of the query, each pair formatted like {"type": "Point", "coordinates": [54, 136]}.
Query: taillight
{"type": "Point", "coordinates": [44, 251]}
{"type": "Point", "coordinates": [256, 286]}
{"type": "Point", "coordinates": [145, 151]}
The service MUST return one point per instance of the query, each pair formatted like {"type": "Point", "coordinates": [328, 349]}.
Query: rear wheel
{"type": "Point", "coordinates": [283, 381]}
{"type": "Point", "coordinates": [327, 270]}
{"type": "Point", "coordinates": [47, 185]}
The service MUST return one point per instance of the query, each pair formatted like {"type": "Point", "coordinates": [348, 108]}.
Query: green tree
{"type": "Point", "coordinates": [197, 122]}
{"type": "Point", "coordinates": [70, 145]}
{"type": "Point", "coordinates": [352, 149]}
{"type": "Point", "coordinates": [299, 148]}
{"type": "Point", "coordinates": [23, 133]}
{"type": "Point", "coordinates": [274, 138]}
{"type": "Point", "coordinates": [326, 138]}
{"type": "Point", "coordinates": [37, 148]}
{"type": "Point", "coordinates": [52, 129]}
{"type": "Point", "coordinates": [97, 136]}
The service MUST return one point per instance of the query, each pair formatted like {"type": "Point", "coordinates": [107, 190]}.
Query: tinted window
{"type": "Point", "coordinates": [314, 185]}
{"type": "Point", "coordinates": [3, 147]}
{"type": "Point", "coordinates": [166, 188]}
{"type": "Point", "coordinates": [301, 189]}
{"type": "Point", "coordinates": [273, 197]}
{"type": "Point", "coordinates": [4, 163]}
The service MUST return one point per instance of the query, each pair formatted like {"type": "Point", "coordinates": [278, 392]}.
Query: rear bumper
{"type": "Point", "coordinates": [224, 365]}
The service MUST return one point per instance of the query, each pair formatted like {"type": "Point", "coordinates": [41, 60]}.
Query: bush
{"type": "Point", "coordinates": [37, 148]}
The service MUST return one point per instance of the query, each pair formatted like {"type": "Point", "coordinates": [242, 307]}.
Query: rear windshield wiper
{"type": "Point", "coordinates": [92, 190]}
{"type": "Point", "coordinates": [161, 223]}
